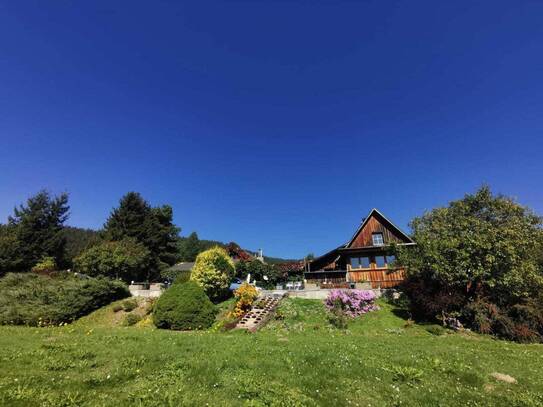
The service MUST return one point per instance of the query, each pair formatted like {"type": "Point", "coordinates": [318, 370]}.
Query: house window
{"type": "Point", "coordinates": [377, 239]}
{"type": "Point", "coordinates": [380, 261]}
{"type": "Point", "coordinates": [360, 262]}
{"type": "Point", "coordinates": [391, 259]}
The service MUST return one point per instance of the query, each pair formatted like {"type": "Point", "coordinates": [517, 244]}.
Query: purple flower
{"type": "Point", "coordinates": [351, 302]}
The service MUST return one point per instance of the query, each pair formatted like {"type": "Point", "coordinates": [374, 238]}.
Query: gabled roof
{"type": "Point", "coordinates": [335, 254]}
{"type": "Point", "coordinates": [391, 225]}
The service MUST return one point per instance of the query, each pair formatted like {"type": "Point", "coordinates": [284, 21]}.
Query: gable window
{"type": "Point", "coordinates": [377, 239]}
{"type": "Point", "coordinates": [360, 262]}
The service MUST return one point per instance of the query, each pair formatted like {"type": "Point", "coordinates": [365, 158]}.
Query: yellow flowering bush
{"type": "Point", "coordinates": [245, 297]}
{"type": "Point", "coordinates": [213, 271]}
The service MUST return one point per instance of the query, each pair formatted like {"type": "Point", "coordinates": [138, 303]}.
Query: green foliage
{"type": "Point", "coordinates": [189, 247]}
{"type": "Point", "coordinates": [173, 274]}
{"type": "Point", "coordinates": [125, 259]}
{"type": "Point", "coordinates": [184, 306]}
{"type": "Point", "coordinates": [34, 232]}
{"type": "Point", "coordinates": [213, 271]}
{"type": "Point", "coordinates": [10, 259]}
{"type": "Point", "coordinates": [482, 246]}
{"type": "Point", "coordinates": [45, 265]}
{"type": "Point", "coordinates": [338, 319]}
{"type": "Point", "coordinates": [258, 271]}
{"type": "Point", "coordinates": [117, 308]}
{"type": "Point", "coordinates": [436, 330]}
{"type": "Point", "coordinates": [152, 227]}
{"type": "Point", "coordinates": [131, 319]}
{"type": "Point", "coordinates": [130, 304]}
{"type": "Point", "coordinates": [407, 373]}
{"type": "Point", "coordinates": [305, 363]}
{"type": "Point", "coordinates": [32, 299]}
{"type": "Point", "coordinates": [77, 241]}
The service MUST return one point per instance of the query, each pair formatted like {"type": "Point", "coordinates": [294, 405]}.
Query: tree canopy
{"type": "Point", "coordinates": [34, 232]}
{"type": "Point", "coordinates": [480, 248]}
{"type": "Point", "coordinates": [153, 227]}
{"type": "Point", "coordinates": [77, 241]}
{"type": "Point", "coordinates": [483, 244]}
{"type": "Point", "coordinates": [124, 259]}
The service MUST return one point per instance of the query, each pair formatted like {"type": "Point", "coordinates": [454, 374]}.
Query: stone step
{"type": "Point", "coordinates": [259, 314]}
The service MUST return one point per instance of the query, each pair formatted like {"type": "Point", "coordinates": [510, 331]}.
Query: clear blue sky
{"type": "Point", "coordinates": [274, 124]}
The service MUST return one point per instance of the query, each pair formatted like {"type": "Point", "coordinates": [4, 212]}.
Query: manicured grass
{"type": "Point", "coordinates": [299, 360]}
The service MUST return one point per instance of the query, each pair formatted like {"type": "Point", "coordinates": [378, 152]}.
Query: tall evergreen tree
{"type": "Point", "coordinates": [10, 259]}
{"type": "Point", "coordinates": [152, 227]}
{"type": "Point", "coordinates": [190, 247]}
{"type": "Point", "coordinates": [37, 230]}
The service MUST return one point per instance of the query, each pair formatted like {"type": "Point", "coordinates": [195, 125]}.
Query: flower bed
{"type": "Point", "coordinates": [352, 303]}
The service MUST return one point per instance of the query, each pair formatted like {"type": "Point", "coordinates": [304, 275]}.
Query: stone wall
{"type": "Point", "coordinates": [146, 290]}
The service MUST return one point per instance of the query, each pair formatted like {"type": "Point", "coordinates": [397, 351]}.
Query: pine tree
{"type": "Point", "coordinates": [37, 228]}
{"type": "Point", "coordinates": [190, 247]}
{"type": "Point", "coordinates": [152, 227]}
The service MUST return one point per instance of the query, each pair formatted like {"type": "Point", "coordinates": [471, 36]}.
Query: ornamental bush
{"type": "Point", "coordinates": [352, 303]}
{"type": "Point", "coordinates": [33, 299]}
{"type": "Point", "coordinates": [245, 295]}
{"type": "Point", "coordinates": [184, 306]}
{"type": "Point", "coordinates": [213, 271]}
{"type": "Point", "coordinates": [131, 319]}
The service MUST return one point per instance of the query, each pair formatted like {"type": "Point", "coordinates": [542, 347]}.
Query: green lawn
{"type": "Point", "coordinates": [299, 360]}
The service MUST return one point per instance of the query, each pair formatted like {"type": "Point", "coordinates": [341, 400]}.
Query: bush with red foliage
{"type": "Point", "coordinates": [236, 252]}
{"type": "Point", "coordinates": [292, 268]}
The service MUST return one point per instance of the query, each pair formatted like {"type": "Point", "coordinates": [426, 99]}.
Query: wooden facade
{"type": "Point", "coordinates": [367, 257]}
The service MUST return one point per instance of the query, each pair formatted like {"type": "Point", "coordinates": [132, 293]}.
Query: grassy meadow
{"type": "Point", "coordinates": [297, 359]}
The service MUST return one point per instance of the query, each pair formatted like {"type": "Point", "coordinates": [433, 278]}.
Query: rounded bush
{"type": "Point", "coordinates": [131, 319]}
{"type": "Point", "coordinates": [184, 306]}
{"type": "Point", "coordinates": [130, 304]}
{"type": "Point", "coordinates": [213, 270]}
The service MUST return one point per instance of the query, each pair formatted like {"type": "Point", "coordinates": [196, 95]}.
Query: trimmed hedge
{"type": "Point", "coordinates": [31, 299]}
{"type": "Point", "coordinates": [184, 306]}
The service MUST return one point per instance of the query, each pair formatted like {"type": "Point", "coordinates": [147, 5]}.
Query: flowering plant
{"type": "Point", "coordinates": [245, 295]}
{"type": "Point", "coordinates": [352, 303]}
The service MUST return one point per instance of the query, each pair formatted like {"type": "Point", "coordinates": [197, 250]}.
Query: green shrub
{"type": "Point", "coordinates": [117, 308]}
{"type": "Point", "coordinates": [213, 271]}
{"type": "Point", "coordinates": [130, 304]}
{"type": "Point", "coordinates": [131, 319]}
{"type": "Point", "coordinates": [173, 275]}
{"type": "Point", "coordinates": [338, 319]}
{"type": "Point", "coordinates": [45, 265]}
{"type": "Point", "coordinates": [521, 322]}
{"type": "Point", "coordinates": [184, 306]}
{"type": "Point", "coordinates": [436, 330]}
{"type": "Point", "coordinates": [125, 259]}
{"type": "Point", "coordinates": [32, 299]}
{"type": "Point", "coordinates": [149, 305]}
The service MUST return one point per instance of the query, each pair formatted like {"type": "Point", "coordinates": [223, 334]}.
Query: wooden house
{"type": "Point", "coordinates": [367, 257]}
